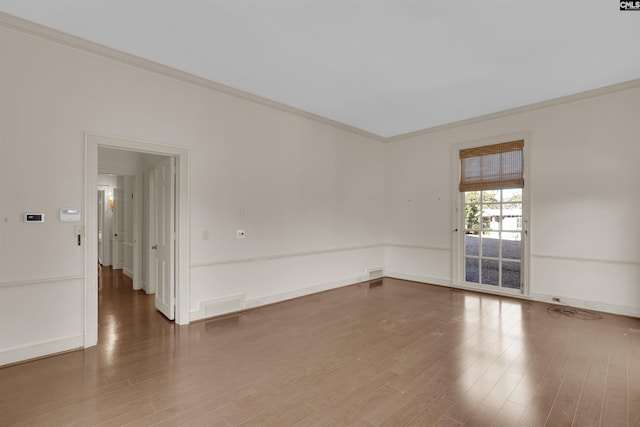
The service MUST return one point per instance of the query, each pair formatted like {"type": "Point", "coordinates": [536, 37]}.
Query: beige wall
{"type": "Point", "coordinates": [307, 193]}
{"type": "Point", "coordinates": [583, 198]}
{"type": "Point", "coordinates": [320, 204]}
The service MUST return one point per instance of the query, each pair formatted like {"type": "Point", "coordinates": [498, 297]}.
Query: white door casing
{"type": "Point", "coordinates": [118, 229]}
{"type": "Point", "coordinates": [162, 234]}
{"type": "Point", "coordinates": [100, 226]}
{"type": "Point", "coordinates": [137, 232]}
{"type": "Point", "coordinates": [94, 140]}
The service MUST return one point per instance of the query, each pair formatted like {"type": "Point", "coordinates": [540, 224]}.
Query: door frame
{"type": "Point", "coordinates": [100, 219]}
{"type": "Point", "coordinates": [117, 245]}
{"type": "Point", "coordinates": [163, 301]}
{"type": "Point", "coordinates": [93, 140]}
{"type": "Point", "coordinates": [457, 225]}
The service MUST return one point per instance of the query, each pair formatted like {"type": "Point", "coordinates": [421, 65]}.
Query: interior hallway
{"type": "Point", "coordinates": [383, 353]}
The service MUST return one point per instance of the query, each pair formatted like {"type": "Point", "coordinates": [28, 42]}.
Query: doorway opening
{"type": "Point", "coordinates": [175, 259]}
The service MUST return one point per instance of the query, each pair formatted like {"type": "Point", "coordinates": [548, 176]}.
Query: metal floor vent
{"type": "Point", "coordinates": [376, 273]}
{"type": "Point", "coordinates": [223, 305]}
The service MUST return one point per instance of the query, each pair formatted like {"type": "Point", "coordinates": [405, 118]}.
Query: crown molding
{"type": "Point", "coordinates": [24, 26]}
{"type": "Point", "coordinates": [606, 90]}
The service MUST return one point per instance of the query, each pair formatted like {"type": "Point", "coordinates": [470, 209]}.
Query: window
{"type": "Point", "coordinates": [491, 187]}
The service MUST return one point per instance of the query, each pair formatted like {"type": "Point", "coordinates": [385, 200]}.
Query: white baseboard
{"type": "Point", "coordinates": [418, 278]}
{"type": "Point", "coordinates": [283, 296]}
{"type": "Point", "coordinates": [127, 272]}
{"type": "Point", "coordinates": [234, 303]}
{"type": "Point", "coordinates": [39, 349]}
{"type": "Point", "coordinates": [218, 306]}
{"type": "Point", "coordinates": [591, 305]}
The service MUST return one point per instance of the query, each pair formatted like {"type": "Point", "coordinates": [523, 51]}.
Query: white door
{"type": "Point", "coordinates": [162, 235]}
{"type": "Point", "coordinates": [118, 228]}
{"type": "Point", "coordinates": [100, 226]}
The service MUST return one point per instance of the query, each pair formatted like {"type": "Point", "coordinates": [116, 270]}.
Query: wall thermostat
{"type": "Point", "coordinates": [69, 214]}
{"type": "Point", "coordinates": [33, 217]}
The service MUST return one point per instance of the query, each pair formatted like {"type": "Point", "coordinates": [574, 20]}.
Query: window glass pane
{"type": "Point", "coordinates": [511, 220]}
{"type": "Point", "coordinates": [512, 195]}
{"type": "Point", "coordinates": [491, 196]}
{"type": "Point", "coordinates": [472, 217]}
{"type": "Point", "coordinates": [511, 248]}
{"type": "Point", "coordinates": [491, 220]}
{"type": "Point", "coordinates": [490, 246]}
{"type": "Point", "coordinates": [471, 269]}
{"type": "Point", "coordinates": [490, 274]}
{"type": "Point", "coordinates": [511, 275]}
{"type": "Point", "coordinates": [472, 244]}
{"type": "Point", "coordinates": [472, 197]}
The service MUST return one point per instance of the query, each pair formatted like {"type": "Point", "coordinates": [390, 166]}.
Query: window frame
{"type": "Point", "coordinates": [457, 217]}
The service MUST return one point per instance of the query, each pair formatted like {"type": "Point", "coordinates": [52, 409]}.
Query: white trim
{"type": "Point", "coordinates": [283, 255]}
{"type": "Point", "coordinates": [533, 296]}
{"type": "Point", "coordinates": [40, 348]}
{"type": "Point", "coordinates": [33, 282]}
{"type": "Point", "coordinates": [128, 273]}
{"type": "Point", "coordinates": [200, 311]}
{"type": "Point", "coordinates": [418, 278]}
{"type": "Point", "coordinates": [586, 259]}
{"type": "Point", "coordinates": [591, 305]}
{"type": "Point", "coordinates": [283, 296]}
{"type": "Point", "coordinates": [91, 142]}
{"type": "Point", "coordinates": [137, 232]}
{"type": "Point", "coordinates": [116, 170]}
{"type": "Point", "coordinates": [426, 248]}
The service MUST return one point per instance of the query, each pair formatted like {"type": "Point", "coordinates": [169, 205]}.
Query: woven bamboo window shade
{"type": "Point", "coordinates": [492, 167]}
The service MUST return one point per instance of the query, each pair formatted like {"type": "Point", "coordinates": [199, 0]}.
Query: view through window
{"type": "Point", "coordinates": [493, 237]}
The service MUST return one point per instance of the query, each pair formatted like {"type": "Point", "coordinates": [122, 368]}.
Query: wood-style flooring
{"type": "Point", "coordinates": [386, 353]}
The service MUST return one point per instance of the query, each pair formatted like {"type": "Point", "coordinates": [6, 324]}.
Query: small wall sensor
{"type": "Point", "coordinates": [33, 217]}
{"type": "Point", "coordinates": [69, 214]}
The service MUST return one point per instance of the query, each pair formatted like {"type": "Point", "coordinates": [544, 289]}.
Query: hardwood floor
{"type": "Point", "coordinates": [389, 353]}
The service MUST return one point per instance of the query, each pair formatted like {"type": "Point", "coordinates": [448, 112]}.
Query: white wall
{"type": "Point", "coordinates": [583, 192]}
{"type": "Point", "coordinates": [307, 193]}
{"type": "Point", "coordinates": [313, 198]}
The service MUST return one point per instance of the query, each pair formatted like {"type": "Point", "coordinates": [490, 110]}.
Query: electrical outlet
{"type": "Point", "coordinates": [554, 299]}
{"type": "Point", "coordinates": [240, 234]}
